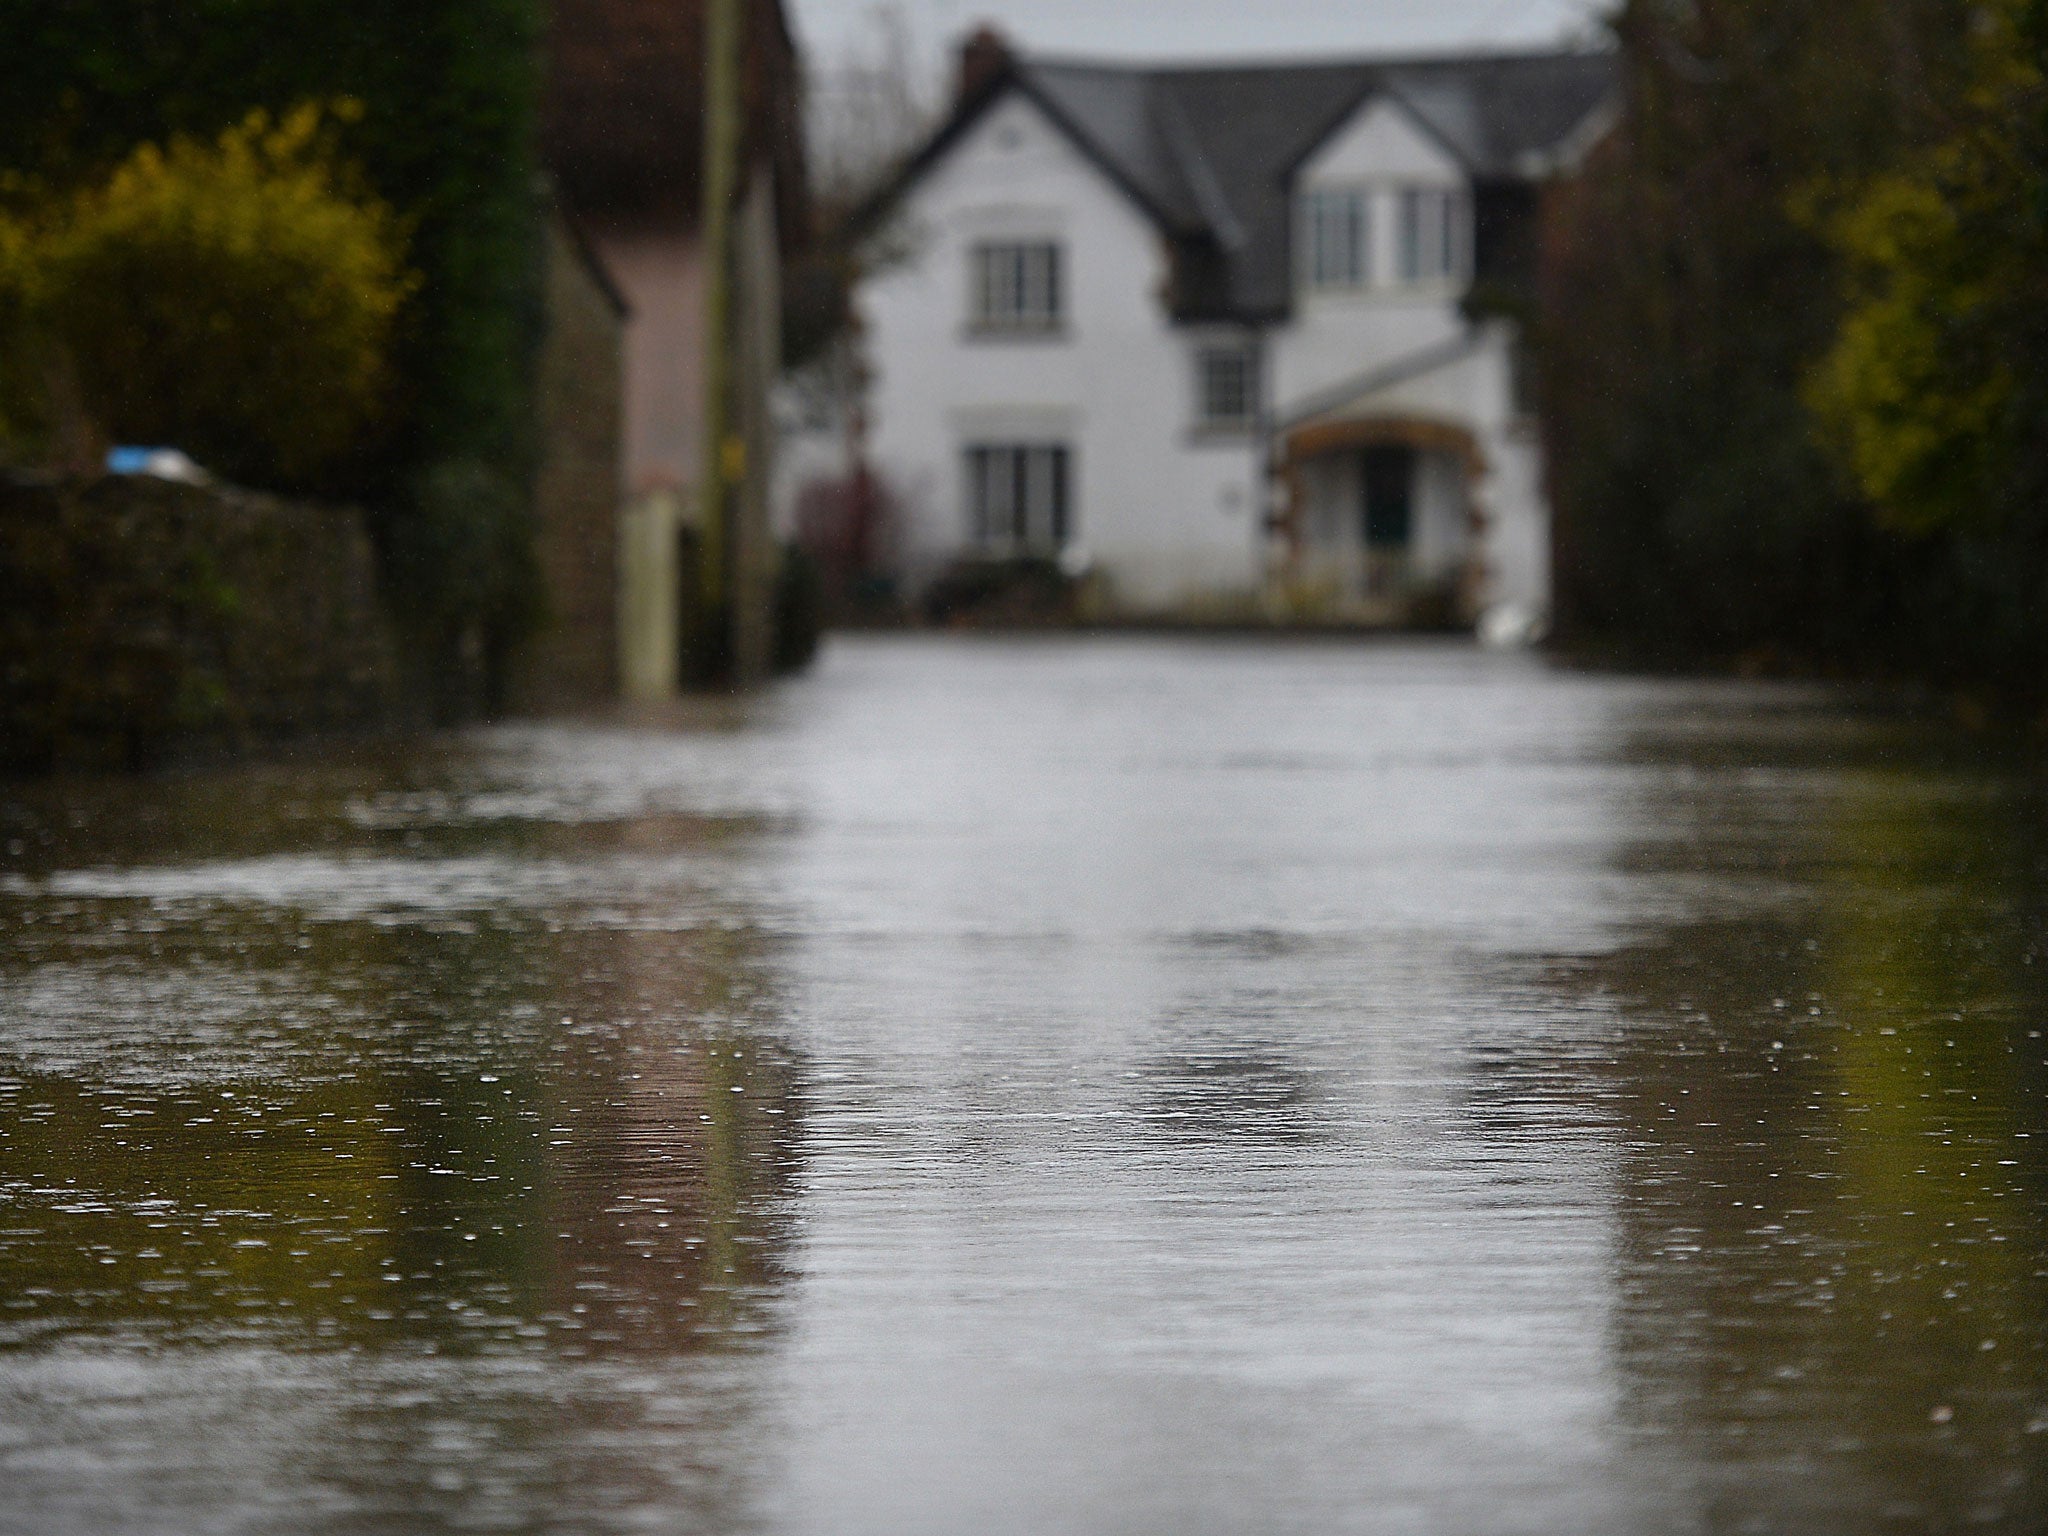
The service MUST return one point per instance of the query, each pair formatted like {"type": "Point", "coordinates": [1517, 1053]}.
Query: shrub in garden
{"type": "Point", "coordinates": [235, 297]}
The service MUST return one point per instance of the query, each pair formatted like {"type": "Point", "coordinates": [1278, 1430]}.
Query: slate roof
{"type": "Point", "coordinates": [1209, 151]}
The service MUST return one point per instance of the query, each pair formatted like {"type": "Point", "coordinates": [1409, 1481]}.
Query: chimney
{"type": "Point", "coordinates": [984, 59]}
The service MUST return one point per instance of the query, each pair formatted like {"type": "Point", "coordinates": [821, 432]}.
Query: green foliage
{"type": "Point", "coordinates": [449, 91]}
{"type": "Point", "coordinates": [229, 297]}
{"type": "Point", "coordinates": [23, 422]}
{"type": "Point", "coordinates": [1914, 432]}
{"type": "Point", "coordinates": [1796, 343]}
{"type": "Point", "coordinates": [469, 518]}
{"type": "Point", "coordinates": [1688, 298]}
{"type": "Point", "coordinates": [1923, 396]}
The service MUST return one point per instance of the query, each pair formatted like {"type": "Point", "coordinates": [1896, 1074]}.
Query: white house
{"type": "Point", "coordinates": [1209, 332]}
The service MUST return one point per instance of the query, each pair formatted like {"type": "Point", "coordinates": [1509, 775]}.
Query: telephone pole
{"type": "Point", "coordinates": [722, 452]}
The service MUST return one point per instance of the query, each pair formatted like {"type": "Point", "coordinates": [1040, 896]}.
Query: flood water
{"type": "Point", "coordinates": [1093, 1086]}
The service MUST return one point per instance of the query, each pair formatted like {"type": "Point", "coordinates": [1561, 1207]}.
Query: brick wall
{"type": "Point", "coordinates": [573, 661]}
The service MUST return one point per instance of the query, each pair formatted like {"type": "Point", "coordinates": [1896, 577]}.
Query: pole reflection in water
{"type": "Point", "coordinates": [1013, 1086]}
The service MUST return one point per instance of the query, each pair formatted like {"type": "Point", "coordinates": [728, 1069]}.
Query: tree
{"type": "Point", "coordinates": [1932, 395]}
{"type": "Point", "coordinates": [1686, 299]}
{"type": "Point", "coordinates": [869, 107]}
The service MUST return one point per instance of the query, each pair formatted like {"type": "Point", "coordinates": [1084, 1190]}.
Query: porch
{"type": "Point", "coordinates": [1378, 521]}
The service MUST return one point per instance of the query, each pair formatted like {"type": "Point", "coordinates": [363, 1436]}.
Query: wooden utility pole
{"type": "Point", "coordinates": [720, 471]}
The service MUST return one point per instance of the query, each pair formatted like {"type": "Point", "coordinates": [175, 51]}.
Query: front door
{"type": "Point", "coordinates": [1386, 480]}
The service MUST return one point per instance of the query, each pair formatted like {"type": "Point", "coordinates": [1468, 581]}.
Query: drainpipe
{"type": "Point", "coordinates": [1265, 500]}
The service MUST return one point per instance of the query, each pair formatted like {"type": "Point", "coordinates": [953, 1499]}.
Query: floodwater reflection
{"type": "Point", "coordinates": [1088, 1086]}
{"type": "Point", "coordinates": [1831, 1109]}
{"type": "Point", "coordinates": [352, 1186]}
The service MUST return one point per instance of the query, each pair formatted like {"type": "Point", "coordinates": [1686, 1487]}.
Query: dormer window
{"type": "Point", "coordinates": [1015, 286]}
{"type": "Point", "coordinates": [1337, 238]}
{"type": "Point", "coordinates": [1432, 234]}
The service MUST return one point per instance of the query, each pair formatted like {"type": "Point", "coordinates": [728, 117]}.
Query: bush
{"type": "Point", "coordinates": [447, 137]}
{"type": "Point", "coordinates": [1688, 294]}
{"type": "Point", "coordinates": [235, 298]}
{"type": "Point", "coordinates": [979, 589]}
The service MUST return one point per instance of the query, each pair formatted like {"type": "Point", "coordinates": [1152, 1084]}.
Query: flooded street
{"type": "Point", "coordinates": [1095, 1086]}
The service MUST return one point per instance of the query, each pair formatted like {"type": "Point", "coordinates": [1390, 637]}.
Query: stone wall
{"type": "Point", "coordinates": [142, 619]}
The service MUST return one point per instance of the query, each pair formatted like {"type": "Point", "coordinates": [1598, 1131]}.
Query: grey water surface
{"type": "Point", "coordinates": [1094, 1086]}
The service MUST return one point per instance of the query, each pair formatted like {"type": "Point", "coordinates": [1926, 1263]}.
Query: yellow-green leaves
{"type": "Point", "coordinates": [236, 298]}
{"type": "Point", "coordinates": [1905, 414]}
{"type": "Point", "coordinates": [1917, 396]}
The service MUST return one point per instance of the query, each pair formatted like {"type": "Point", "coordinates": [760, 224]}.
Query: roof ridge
{"type": "Point", "coordinates": [1209, 155]}
{"type": "Point", "coordinates": [1317, 62]}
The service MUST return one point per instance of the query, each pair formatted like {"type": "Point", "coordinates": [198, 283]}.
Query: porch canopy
{"type": "Point", "coordinates": [1422, 401]}
{"type": "Point", "coordinates": [1343, 434]}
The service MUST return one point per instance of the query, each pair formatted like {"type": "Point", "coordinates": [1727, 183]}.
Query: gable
{"type": "Point", "coordinates": [1015, 103]}
{"type": "Point", "coordinates": [1381, 141]}
{"type": "Point", "coordinates": [1012, 157]}
{"type": "Point", "coordinates": [1014, 176]}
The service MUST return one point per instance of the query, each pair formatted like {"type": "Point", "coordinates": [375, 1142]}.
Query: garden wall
{"type": "Point", "coordinates": [145, 619]}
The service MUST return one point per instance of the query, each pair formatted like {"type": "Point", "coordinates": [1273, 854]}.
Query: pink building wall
{"type": "Point", "coordinates": [661, 275]}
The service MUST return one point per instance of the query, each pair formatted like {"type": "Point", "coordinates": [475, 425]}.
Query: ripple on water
{"type": "Point", "coordinates": [1017, 1086]}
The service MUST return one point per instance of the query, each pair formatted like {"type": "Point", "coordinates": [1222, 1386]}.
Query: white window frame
{"type": "Point", "coordinates": [1336, 226]}
{"type": "Point", "coordinates": [1433, 235]}
{"type": "Point", "coordinates": [1016, 287]}
{"type": "Point", "coordinates": [1209, 355]}
{"type": "Point", "coordinates": [1019, 497]}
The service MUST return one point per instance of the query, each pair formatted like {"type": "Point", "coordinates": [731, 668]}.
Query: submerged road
{"type": "Point", "coordinates": [1082, 1086]}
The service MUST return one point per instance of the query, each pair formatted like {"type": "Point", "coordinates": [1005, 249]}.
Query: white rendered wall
{"type": "Point", "coordinates": [1169, 514]}
{"type": "Point", "coordinates": [1331, 503]}
{"type": "Point", "coordinates": [1441, 535]}
{"type": "Point", "coordinates": [1513, 506]}
{"type": "Point", "coordinates": [1333, 528]}
{"type": "Point", "coordinates": [1166, 513]}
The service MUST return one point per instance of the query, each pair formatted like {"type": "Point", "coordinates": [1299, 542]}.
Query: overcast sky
{"type": "Point", "coordinates": [1196, 29]}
